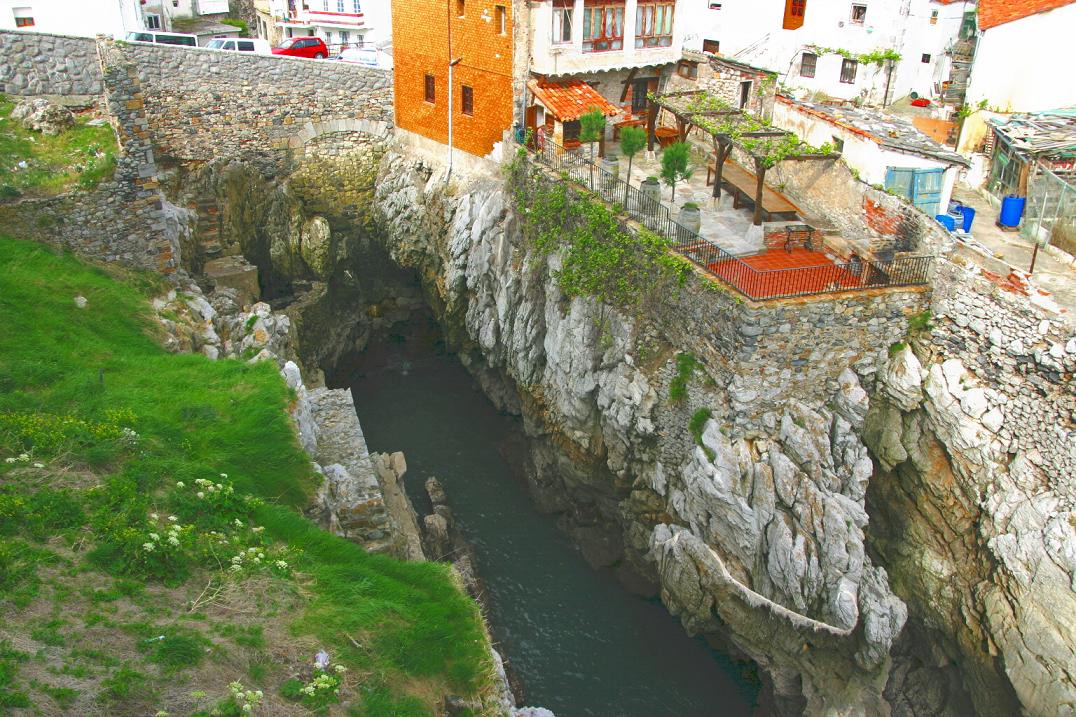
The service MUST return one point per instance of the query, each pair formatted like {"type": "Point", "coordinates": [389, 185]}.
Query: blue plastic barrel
{"type": "Point", "coordinates": [947, 221]}
{"type": "Point", "coordinates": [1012, 208]}
{"type": "Point", "coordinates": [969, 217]}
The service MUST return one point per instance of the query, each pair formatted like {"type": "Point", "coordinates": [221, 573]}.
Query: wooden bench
{"type": "Point", "coordinates": [626, 123]}
{"type": "Point", "coordinates": [743, 185]}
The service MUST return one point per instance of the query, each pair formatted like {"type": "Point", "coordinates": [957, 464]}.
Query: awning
{"type": "Point", "coordinates": [570, 100]}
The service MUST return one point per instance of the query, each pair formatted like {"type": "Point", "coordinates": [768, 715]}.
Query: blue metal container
{"type": "Point", "coordinates": [946, 221]}
{"type": "Point", "coordinates": [968, 218]}
{"type": "Point", "coordinates": [1012, 208]}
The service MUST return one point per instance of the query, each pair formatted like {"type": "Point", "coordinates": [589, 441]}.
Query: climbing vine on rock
{"type": "Point", "coordinates": [874, 57]}
{"type": "Point", "coordinates": [600, 256]}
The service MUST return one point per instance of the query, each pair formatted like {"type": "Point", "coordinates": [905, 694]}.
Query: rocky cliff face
{"type": "Point", "coordinates": [755, 535]}
{"type": "Point", "coordinates": [975, 500]}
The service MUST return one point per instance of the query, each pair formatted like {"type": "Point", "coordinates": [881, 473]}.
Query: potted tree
{"type": "Point", "coordinates": [591, 127]}
{"type": "Point", "coordinates": [632, 140]}
{"type": "Point", "coordinates": [674, 159]}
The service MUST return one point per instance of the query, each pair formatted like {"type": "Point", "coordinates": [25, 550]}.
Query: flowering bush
{"type": "Point", "coordinates": [49, 431]}
{"type": "Point", "coordinates": [212, 504]}
{"type": "Point", "coordinates": [238, 703]}
{"type": "Point", "coordinates": [320, 692]}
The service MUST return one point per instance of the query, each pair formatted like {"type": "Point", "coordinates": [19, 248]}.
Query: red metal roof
{"type": "Point", "coordinates": [570, 100]}
{"type": "Point", "coordinates": [998, 12]}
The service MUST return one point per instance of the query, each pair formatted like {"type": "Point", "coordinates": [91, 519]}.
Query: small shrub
{"type": "Point", "coordinates": [920, 321]}
{"type": "Point", "coordinates": [122, 684]}
{"type": "Point", "coordinates": [10, 694]}
{"type": "Point", "coordinates": [697, 425]}
{"type": "Point", "coordinates": [174, 648]}
{"type": "Point", "coordinates": [685, 367]}
{"type": "Point", "coordinates": [317, 694]}
{"type": "Point", "coordinates": [62, 696]}
{"type": "Point", "coordinates": [895, 348]}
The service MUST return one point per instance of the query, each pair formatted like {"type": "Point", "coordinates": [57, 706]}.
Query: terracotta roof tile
{"type": "Point", "coordinates": [570, 100]}
{"type": "Point", "coordinates": [998, 12]}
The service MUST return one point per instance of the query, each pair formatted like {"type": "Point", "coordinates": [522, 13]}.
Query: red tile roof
{"type": "Point", "coordinates": [570, 100]}
{"type": "Point", "coordinates": [998, 12]}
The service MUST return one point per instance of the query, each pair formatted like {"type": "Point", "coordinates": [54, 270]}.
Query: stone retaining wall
{"type": "Point", "coordinates": [203, 104]}
{"type": "Point", "coordinates": [33, 63]}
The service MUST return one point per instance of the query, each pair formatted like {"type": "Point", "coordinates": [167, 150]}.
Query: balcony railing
{"type": "Point", "coordinates": [752, 282]}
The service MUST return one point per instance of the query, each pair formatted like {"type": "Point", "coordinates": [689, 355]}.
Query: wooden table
{"type": "Point", "coordinates": [744, 184]}
{"type": "Point", "coordinates": [627, 123]}
{"type": "Point", "coordinates": [666, 136]}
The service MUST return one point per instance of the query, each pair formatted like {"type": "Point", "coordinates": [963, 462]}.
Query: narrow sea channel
{"type": "Point", "coordinates": [580, 643]}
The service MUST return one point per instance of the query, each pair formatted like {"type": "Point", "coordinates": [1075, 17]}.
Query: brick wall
{"type": "Point", "coordinates": [33, 63]}
{"type": "Point", "coordinates": [421, 47]}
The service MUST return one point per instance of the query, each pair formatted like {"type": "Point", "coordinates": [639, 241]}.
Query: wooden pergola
{"type": "Point", "coordinates": [731, 127]}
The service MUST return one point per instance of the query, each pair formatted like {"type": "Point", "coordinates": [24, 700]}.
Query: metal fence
{"type": "Point", "coordinates": [754, 283]}
{"type": "Point", "coordinates": [1050, 215]}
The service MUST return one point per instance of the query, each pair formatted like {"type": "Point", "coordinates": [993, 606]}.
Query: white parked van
{"type": "Point", "coordinates": [163, 38]}
{"type": "Point", "coordinates": [240, 44]}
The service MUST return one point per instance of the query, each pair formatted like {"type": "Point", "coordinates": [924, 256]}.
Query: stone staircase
{"type": "Point", "coordinates": [208, 228]}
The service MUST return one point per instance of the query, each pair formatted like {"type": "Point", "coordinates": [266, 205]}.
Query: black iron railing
{"type": "Point", "coordinates": [752, 282]}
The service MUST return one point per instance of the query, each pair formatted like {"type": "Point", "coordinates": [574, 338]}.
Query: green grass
{"type": "Point", "coordinates": [685, 367]}
{"type": "Point", "coordinates": [82, 156]}
{"type": "Point", "coordinates": [697, 425]}
{"type": "Point", "coordinates": [406, 625]}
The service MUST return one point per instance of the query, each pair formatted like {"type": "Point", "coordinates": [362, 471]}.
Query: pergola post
{"type": "Point", "coordinates": [722, 154]}
{"type": "Point", "coordinates": [760, 175]}
{"type": "Point", "coordinates": [651, 121]}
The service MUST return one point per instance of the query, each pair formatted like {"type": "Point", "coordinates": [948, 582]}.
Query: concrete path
{"type": "Point", "coordinates": [1056, 276]}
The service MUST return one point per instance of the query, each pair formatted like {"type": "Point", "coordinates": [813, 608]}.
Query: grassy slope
{"type": "Point", "coordinates": [82, 156]}
{"type": "Point", "coordinates": [74, 527]}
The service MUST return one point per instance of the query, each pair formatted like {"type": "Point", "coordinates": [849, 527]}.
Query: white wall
{"type": "Point", "coordinates": [82, 18]}
{"type": "Point", "coordinates": [750, 30]}
{"type": "Point", "coordinates": [1021, 67]}
{"type": "Point", "coordinates": [861, 153]}
{"type": "Point", "coordinates": [564, 59]}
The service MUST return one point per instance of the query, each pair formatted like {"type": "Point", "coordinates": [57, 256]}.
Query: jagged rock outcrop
{"type": "Point", "coordinates": [758, 536]}
{"type": "Point", "coordinates": [975, 501]}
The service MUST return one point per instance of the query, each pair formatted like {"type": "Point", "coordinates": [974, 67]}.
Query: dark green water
{"type": "Point", "coordinates": [580, 643]}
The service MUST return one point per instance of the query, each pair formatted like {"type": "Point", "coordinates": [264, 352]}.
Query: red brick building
{"type": "Point", "coordinates": [427, 35]}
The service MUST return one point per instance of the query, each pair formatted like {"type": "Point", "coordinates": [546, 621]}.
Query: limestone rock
{"type": "Point", "coordinates": [316, 247]}
{"type": "Point", "coordinates": [40, 115]}
{"type": "Point", "coordinates": [904, 379]}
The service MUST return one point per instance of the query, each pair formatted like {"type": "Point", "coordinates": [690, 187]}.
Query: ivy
{"type": "Point", "coordinates": [601, 257]}
{"type": "Point", "coordinates": [874, 57]}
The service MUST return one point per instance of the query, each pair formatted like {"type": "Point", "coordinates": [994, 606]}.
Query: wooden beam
{"type": "Point", "coordinates": [723, 151]}
{"type": "Point", "coordinates": [627, 83]}
{"type": "Point", "coordinates": [760, 173]}
{"type": "Point", "coordinates": [651, 120]}
{"type": "Point", "coordinates": [768, 133]}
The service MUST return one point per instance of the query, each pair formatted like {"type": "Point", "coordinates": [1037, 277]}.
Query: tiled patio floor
{"type": "Point", "coordinates": [721, 224]}
{"type": "Point", "coordinates": [769, 274]}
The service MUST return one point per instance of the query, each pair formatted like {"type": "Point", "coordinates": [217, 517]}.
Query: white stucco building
{"type": "Point", "coordinates": [85, 18]}
{"type": "Point", "coordinates": [782, 35]}
{"type": "Point", "coordinates": [340, 23]}
{"type": "Point", "coordinates": [1019, 64]}
{"type": "Point", "coordinates": [162, 14]}
{"type": "Point", "coordinates": [881, 149]}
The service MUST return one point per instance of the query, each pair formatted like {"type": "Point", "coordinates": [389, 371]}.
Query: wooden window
{"type": "Point", "coordinates": [926, 58]}
{"type": "Point", "coordinates": [563, 21]}
{"type": "Point", "coordinates": [571, 131]}
{"type": "Point", "coordinates": [715, 5]}
{"type": "Point", "coordinates": [467, 100]}
{"type": "Point", "coordinates": [430, 91]}
{"type": "Point", "coordinates": [713, 46]}
{"type": "Point", "coordinates": [808, 64]}
{"type": "Point", "coordinates": [460, 8]}
{"type": "Point", "coordinates": [859, 14]}
{"type": "Point", "coordinates": [933, 17]}
{"type": "Point", "coordinates": [848, 71]}
{"type": "Point", "coordinates": [501, 16]}
{"type": "Point", "coordinates": [795, 10]}
{"type": "Point", "coordinates": [653, 24]}
{"type": "Point", "coordinates": [27, 21]}
{"type": "Point", "coordinates": [603, 27]}
{"type": "Point", "coordinates": [745, 93]}
{"type": "Point", "coordinates": [689, 70]}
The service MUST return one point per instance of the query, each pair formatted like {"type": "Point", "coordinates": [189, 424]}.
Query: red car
{"type": "Point", "coordinates": [303, 47]}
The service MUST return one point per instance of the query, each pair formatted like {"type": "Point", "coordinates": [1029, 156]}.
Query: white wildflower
{"type": "Point", "coordinates": [10, 460]}
{"type": "Point", "coordinates": [39, 465]}
{"type": "Point", "coordinates": [281, 565]}
{"type": "Point", "coordinates": [224, 475]}
{"type": "Point", "coordinates": [173, 540]}
{"type": "Point", "coordinates": [148, 547]}
{"type": "Point", "coordinates": [258, 529]}
{"type": "Point", "coordinates": [238, 523]}
{"type": "Point", "coordinates": [154, 516]}
{"type": "Point", "coordinates": [236, 568]}
{"type": "Point", "coordinates": [154, 537]}
{"type": "Point", "coordinates": [172, 518]}
{"type": "Point", "coordinates": [180, 484]}
{"type": "Point", "coordinates": [340, 669]}
{"type": "Point", "coordinates": [200, 494]}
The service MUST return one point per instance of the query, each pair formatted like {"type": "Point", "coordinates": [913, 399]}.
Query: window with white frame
{"type": "Point", "coordinates": [153, 21]}
{"type": "Point", "coordinates": [562, 21]}
{"type": "Point", "coordinates": [859, 14]}
{"type": "Point", "coordinates": [653, 24]}
{"type": "Point", "coordinates": [24, 16]}
{"type": "Point", "coordinates": [344, 37]}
